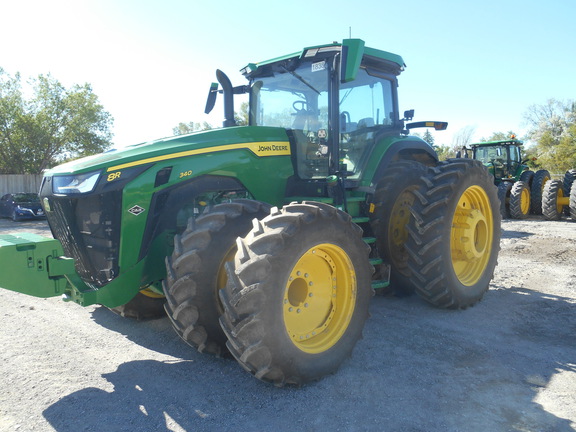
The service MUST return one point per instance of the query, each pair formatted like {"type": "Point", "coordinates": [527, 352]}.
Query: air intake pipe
{"type": "Point", "coordinates": [228, 92]}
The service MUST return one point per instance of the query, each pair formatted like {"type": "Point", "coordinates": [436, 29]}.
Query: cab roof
{"type": "Point", "coordinates": [511, 141]}
{"type": "Point", "coordinates": [353, 52]}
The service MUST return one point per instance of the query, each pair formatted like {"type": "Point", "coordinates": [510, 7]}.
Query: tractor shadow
{"type": "Point", "coordinates": [417, 369]}
{"type": "Point", "coordinates": [155, 334]}
{"type": "Point", "coordinates": [507, 234]}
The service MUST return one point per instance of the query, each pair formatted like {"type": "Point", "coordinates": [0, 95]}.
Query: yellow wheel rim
{"type": "Point", "coordinates": [525, 201]}
{"type": "Point", "coordinates": [148, 292]}
{"type": "Point", "coordinates": [559, 206]}
{"type": "Point", "coordinates": [399, 218]}
{"type": "Point", "coordinates": [222, 277]}
{"type": "Point", "coordinates": [471, 236]}
{"type": "Point", "coordinates": [397, 232]}
{"type": "Point", "coordinates": [319, 298]}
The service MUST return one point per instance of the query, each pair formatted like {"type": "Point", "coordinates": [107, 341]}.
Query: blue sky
{"type": "Point", "coordinates": [473, 64]}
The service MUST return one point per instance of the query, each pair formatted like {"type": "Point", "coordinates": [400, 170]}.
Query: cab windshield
{"type": "Point", "coordinates": [299, 100]}
{"type": "Point", "coordinates": [491, 154]}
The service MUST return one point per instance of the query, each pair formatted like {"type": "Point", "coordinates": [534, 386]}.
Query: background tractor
{"type": "Point", "coordinates": [519, 188]}
{"type": "Point", "coordinates": [266, 241]}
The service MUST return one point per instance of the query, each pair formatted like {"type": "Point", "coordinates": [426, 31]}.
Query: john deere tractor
{"type": "Point", "coordinates": [519, 188]}
{"type": "Point", "coordinates": [267, 241]}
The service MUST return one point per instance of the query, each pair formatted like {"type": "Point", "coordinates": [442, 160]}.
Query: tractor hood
{"type": "Point", "coordinates": [204, 142]}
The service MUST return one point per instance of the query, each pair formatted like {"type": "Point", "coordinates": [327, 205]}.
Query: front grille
{"type": "Point", "coordinates": [89, 229]}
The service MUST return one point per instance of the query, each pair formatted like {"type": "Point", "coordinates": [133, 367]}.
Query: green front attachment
{"type": "Point", "coordinates": [34, 265]}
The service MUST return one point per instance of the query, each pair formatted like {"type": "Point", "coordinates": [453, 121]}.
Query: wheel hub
{"type": "Point", "coordinates": [400, 217]}
{"type": "Point", "coordinates": [319, 298]}
{"type": "Point", "coordinates": [471, 235]}
{"type": "Point", "coordinates": [471, 228]}
{"type": "Point", "coordinates": [525, 201]}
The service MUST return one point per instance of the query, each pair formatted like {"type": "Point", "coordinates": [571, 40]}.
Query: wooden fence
{"type": "Point", "coordinates": [19, 183]}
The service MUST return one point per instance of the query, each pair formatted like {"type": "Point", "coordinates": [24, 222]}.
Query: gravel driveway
{"type": "Point", "coordinates": [507, 364]}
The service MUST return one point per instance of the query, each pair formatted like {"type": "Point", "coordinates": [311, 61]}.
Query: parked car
{"type": "Point", "coordinates": [21, 206]}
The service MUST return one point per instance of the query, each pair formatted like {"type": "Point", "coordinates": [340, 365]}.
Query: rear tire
{"type": "Point", "coordinates": [504, 197]}
{"type": "Point", "coordinates": [536, 190]}
{"type": "Point", "coordinates": [527, 177]}
{"type": "Point", "coordinates": [195, 271]}
{"type": "Point", "coordinates": [393, 199]}
{"type": "Point", "coordinates": [519, 201]}
{"type": "Point", "coordinates": [298, 294]}
{"type": "Point", "coordinates": [455, 234]}
{"type": "Point", "coordinates": [551, 209]}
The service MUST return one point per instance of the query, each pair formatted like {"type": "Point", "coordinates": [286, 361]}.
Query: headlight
{"type": "Point", "coordinates": [75, 184]}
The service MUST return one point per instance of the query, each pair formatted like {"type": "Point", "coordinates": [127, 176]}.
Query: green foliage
{"type": "Point", "coordinates": [444, 152]}
{"type": "Point", "coordinates": [55, 124]}
{"type": "Point", "coordinates": [499, 136]}
{"type": "Point", "coordinates": [241, 118]}
{"type": "Point", "coordinates": [553, 129]}
{"type": "Point", "coordinates": [428, 138]}
{"type": "Point", "coordinates": [186, 128]}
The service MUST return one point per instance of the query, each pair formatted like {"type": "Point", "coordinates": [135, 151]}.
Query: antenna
{"type": "Point", "coordinates": [350, 32]}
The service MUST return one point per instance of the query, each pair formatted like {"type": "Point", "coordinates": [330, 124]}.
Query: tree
{"type": "Point", "coordinates": [499, 136]}
{"type": "Point", "coordinates": [553, 129]}
{"type": "Point", "coordinates": [444, 152]}
{"type": "Point", "coordinates": [241, 118]}
{"type": "Point", "coordinates": [55, 124]}
{"type": "Point", "coordinates": [186, 128]}
{"type": "Point", "coordinates": [428, 138]}
{"type": "Point", "coordinates": [462, 138]}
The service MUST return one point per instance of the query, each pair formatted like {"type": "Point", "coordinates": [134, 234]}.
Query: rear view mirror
{"type": "Point", "coordinates": [211, 101]}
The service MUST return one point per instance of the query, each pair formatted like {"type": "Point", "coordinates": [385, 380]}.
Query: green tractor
{"type": "Point", "coordinates": [519, 189]}
{"type": "Point", "coordinates": [267, 241]}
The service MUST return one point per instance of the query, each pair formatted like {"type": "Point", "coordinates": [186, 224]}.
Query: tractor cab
{"type": "Point", "coordinates": [331, 125]}
{"type": "Point", "coordinates": [502, 158]}
{"type": "Point", "coordinates": [335, 102]}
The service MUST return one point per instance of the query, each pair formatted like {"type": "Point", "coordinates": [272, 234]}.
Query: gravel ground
{"type": "Point", "coordinates": [507, 364]}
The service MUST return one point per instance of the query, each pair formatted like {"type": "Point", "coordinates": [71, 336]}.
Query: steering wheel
{"type": "Point", "coordinates": [302, 104]}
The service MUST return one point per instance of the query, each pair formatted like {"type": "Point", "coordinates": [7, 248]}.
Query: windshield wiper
{"type": "Point", "coordinates": [294, 74]}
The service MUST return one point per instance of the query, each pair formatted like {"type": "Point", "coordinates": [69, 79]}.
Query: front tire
{"type": "Point", "coordinates": [520, 200]}
{"type": "Point", "coordinates": [504, 189]}
{"type": "Point", "coordinates": [298, 294]}
{"type": "Point", "coordinates": [195, 271]}
{"type": "Point", "coordinates": [455, 234]}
